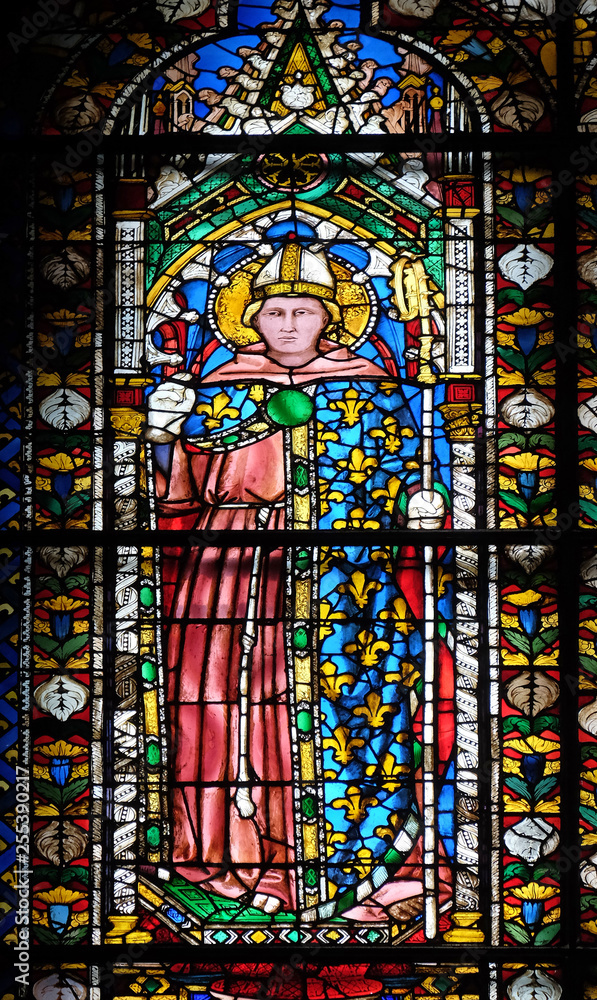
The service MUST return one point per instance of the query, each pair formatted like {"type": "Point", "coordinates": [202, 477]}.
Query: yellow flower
{"type": "Point", "coordinates": [63, 317]}
{"type": "Point", "coordinates": [525, 317]}
{"type": "Point", "coordinates": [523, 598]}
{"type": "Point", "coordinates": [60, 895]}
{"type": "Point", "coordinates": [61, 749]}
{"type": "Point", "coordinates": [532, 744]}
{"type": "Point", "coordinates": [526, 461]}
{"type": "Point", "coordinates": [535, 891]}
{"type": "Point", "coordinates": [62, 603]}
{"type": "Point", "coordinates": [61, 462]}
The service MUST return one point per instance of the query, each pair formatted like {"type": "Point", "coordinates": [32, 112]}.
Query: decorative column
{"type": "Point", "coordinates": [462, 417]}
{"type": "Point", "coordinates": [139, 739]}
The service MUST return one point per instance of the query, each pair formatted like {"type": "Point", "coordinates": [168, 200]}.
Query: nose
{"type": "Point", "coordinates": [288, 323]}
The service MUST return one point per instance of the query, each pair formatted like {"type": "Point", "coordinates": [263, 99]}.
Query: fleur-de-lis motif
{"type": "Point", "coordinates": [409, 674]}
{"type": "Point", "coordinates": [333, 839]}
{"type": "Point", "coordinates": [356, 520]}
{"type": "Point", "coordinates": [397, 614]}
{"type": "Point", "coordinates": [391, 434]}
{"type": "Point", "coordinates": [323, 436]}
{"type": "Point", "coordinates": [360, 587]}
{"type": "Point", "coordinates": [332, 682]}
{"type": "Point", "coordinates": [443, 579]}
{"type": "Point", "coordinates": [326, 615]}
{"type": "Point", "coordinates": [351, 406]}
{"type": "Point", "coordinates": [368, 648]}
{"type": "Point", "coordinates": [362, 867]}
{"type": "Point", "coordinates": [383, 557]}
{"type": "Point", "coordinates": [328, 556]}
{"type": "Point", "coordinates": [389, 772]}
{"type": "Point", "coordinates": [374, 711]}
{"type": "Point", "coordinates": [355, 804]}
{"type": "Point", "coordinates": [359, 466]}
{"type": "Point", "coordinates": [342, 744]}
{"type": "Point", "coordinates": [217, 410]}
{"type": "Point", "coordinates": [327, 495]}
{"type": "Point", "coordinates": [389, 493]}
{"type": "Point", "coordinates": [389, 832]}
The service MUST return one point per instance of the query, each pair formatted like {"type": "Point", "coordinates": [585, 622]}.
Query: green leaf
{"type": "Point", "coordinates": [546, 868]}
{"type": "Point", "coordinates": [518, 640]}
{"type": "Point", "coordinates": [543, 787]}
{"type": "Point", "coordinates": [45, 643]}
{"type": "Point", "coordinates": [78, 872]}
{"type": "Point", "coordinates": [516, 723]}
{"type": "Point", "coordinates": [538, 214]}
{"type": "Point", "coordinates": [46, 935]}
{"type": "Point", "coordinates": [546, 721]}
{"type": "Point", "coordinates": [589, 440]}
{"type": "Point", "coordinates": [517, 870]}
{"type": "Point", "coordinates": [588, 750]}
{"type": "Point", "coordinates": [589, 663]}
{"type": "Point", "coordinates": [48, 791]}
{"type": "Point", "coordinates": [518, 785]}
{"type": "Point", "coordinates": [515, 576]}
{"type": "Point", "coordinates": [75, 644]}
{"type": "Point", "coordinates": [517, 932]}
{"type": "Point", "coordinates": [506, 295]}
{"type": "Point", "coordinates": [539, 357]}
{"type": "Point", "coordinates": [50, 583]}
{"type": "Point", "coordinates": [512, 437]}
{"type": "Point", "coordinates": [47, 873]}
{"type": "Point", "coordinates": [512, 357]}
{"type": "Point", "coordinates": [545, 638]}
{"type": "Point", "coordinates": [587, 215]}
{"type": "Point", "coordinates": [50, 503]}
{"type": "Point", "coordinates": [75, 501]}
{"type": "Point", "coordinates": [589, 508]}
{"type": "Point", "coordinates": [547, 934]}
{"type": "Point", "coordinates": [589, 363]}
{"type": "Point", "coordinates": [542, 500]}
{"type": "Point", "coordinates": [542, 440]}
{"type": "Point", "coordinates": [74, 935]}
{"type": "Point", "coordinates": [513, 500]}
{"type": "Point", "coordinates": [74, 789]}
{"type": "Point", "coordinates": [76, 581]}
{"type": "Point", "coordinates": [588, 601]}
{"type": "Point", "coordinates": [540, 577]}
{"type": "Point", "coordinates": [511, 215]}
{"type": "Point", "coordinates": [588, 814]}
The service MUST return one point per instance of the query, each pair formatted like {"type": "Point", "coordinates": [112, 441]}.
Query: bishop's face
{"type": "Point", "coordinates": [291, 327]}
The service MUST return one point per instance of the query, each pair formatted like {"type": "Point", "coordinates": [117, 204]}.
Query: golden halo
{"type": "Point", "coordinates": [356, 302]}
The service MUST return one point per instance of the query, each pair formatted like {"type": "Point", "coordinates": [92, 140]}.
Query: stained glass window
{"type": "Point", "coordinates": [298, 574]}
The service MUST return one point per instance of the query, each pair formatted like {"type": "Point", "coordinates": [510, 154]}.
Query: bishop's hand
{"type": "Point", "coordinates": [169, 405]}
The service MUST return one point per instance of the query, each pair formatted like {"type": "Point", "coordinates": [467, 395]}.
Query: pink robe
{"type": "Point", "coordinates": [206, 595]}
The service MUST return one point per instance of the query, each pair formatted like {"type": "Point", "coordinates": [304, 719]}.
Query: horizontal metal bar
{"type": "Point", "coordinates": [274, 537]}
{"type": "Point", "coordinates": [181, 142]}
{"type": "Point", "coordinates": [461, 954]}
